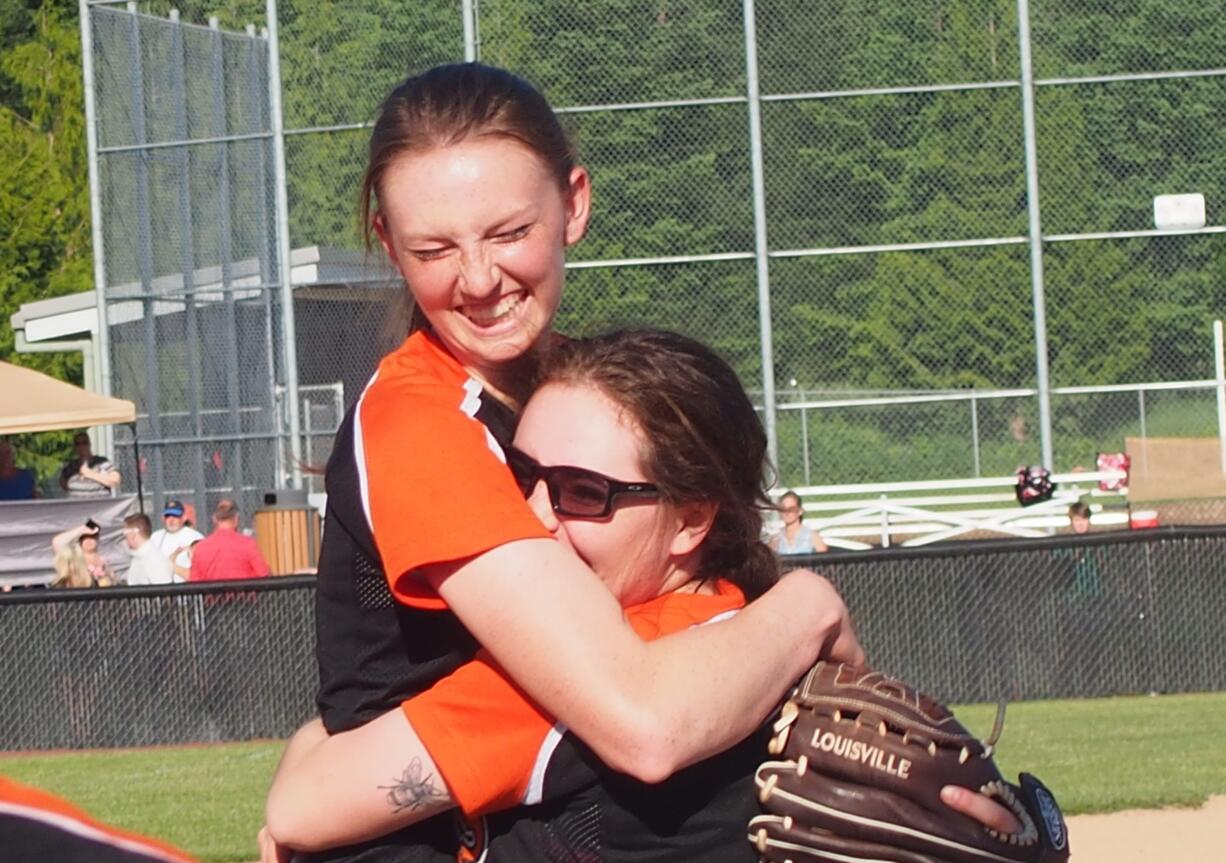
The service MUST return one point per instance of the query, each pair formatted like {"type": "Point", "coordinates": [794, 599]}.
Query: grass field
{"type": "Point", "coordinates": [1098, 755]}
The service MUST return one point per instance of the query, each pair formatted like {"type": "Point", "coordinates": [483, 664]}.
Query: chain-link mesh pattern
{"type": "Point", "coordinates": [143, 666]}
{"type": "Point", "coordinates": [1051, 618]}
{"type": "Point", "coordinates": [1048, 618]}
{"type": "Point", "coordinates": [882, 125]}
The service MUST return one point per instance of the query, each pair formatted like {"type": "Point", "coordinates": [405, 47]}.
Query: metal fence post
{"type": "Point", "coordinates": [804, 440]}
{"type": "Point", "coordinates": [1219, 371]}
{"type": "Point", "coordinates": [288, 336]}
{"type": "Point", "coordinates": [187, 257]}
{"type": "Point", "coordinates": [975, 433]}
{"type": "Point", "coordinates": [144, 235]}
{"type": "Point", "coordinates": [103, 371]}
{"type": "Point", "coordinates": [1034, 229]}
{"type": "Point", "coordinates": [761, 262]}
{"type": "Point", "coordinates": [470, 30]}
{"type": "Point", "coordinates": [257, 68]}
{"type": "Point", "coordinates": [234, 466]}
{"type": "Point", "coordinates": [1141, 411]}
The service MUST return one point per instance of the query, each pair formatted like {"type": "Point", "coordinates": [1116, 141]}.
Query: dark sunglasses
{"type": "Point", "coordinates": [574, 491]}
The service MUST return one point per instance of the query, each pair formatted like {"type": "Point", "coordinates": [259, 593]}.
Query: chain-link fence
{"type": "Point", "coordinates": [136, 666]}
{"type": "Point", "coordinates": [1024, 619]}
{"type": "Point", "coordinates": [845, 204]}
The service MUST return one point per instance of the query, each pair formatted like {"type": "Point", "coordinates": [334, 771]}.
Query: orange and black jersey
{"type": "Point", "coordinates": [36, 827]}
{"type": "Point", "coordinates": [495, 749]}
{"type": "Point", "coordinates": [417, 476]}
{"type": "Point", "coordinates": [697, 814]}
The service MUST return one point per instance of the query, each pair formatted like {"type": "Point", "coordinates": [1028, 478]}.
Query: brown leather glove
{"type": "Point", "coordinates": [862, 760]}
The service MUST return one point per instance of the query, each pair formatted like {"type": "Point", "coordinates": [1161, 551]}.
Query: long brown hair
{"type": "Point", "coordinates": [449, 104]}
{"type": "Point", "coordinates": [704, 440]}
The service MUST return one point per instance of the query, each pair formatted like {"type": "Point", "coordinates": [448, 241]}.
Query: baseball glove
{"type": "Point", "coordinates": [862, 760]}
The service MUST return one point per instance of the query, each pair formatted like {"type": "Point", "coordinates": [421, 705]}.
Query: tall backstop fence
{"type": "Point", "coordinates": [1022, 619]}
{"type": "Point", "coordinates": [923, 232]}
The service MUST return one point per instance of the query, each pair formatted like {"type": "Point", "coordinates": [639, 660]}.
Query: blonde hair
{"type": "Point", "coordinates": [71, 570]}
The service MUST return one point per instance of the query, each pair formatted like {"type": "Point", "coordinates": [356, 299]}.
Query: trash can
{"type": "Point", "coordinates": [287, 531]}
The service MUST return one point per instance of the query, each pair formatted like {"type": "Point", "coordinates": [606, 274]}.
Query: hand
{"type": "Point", "coordinates": [271, 851]}
{"type": "Point", "coordinates": [982, 808]}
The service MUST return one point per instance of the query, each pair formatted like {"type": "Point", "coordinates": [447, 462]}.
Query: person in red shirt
{"type": "Point", "coordinates": [225, 554]}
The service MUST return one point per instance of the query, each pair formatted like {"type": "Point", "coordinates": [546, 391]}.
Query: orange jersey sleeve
{"type": "Point", "coordinates": [435, 485]}
{"type": "Point", "coordinates": [491, 743]}
{"type": "Point", "coordinates": [483, 733]}
{"type": "Point", "coordinates": [47, 815]}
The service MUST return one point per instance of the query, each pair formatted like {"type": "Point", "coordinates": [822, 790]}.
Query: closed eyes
{"type": "Point", "coordinates": [433, 254]}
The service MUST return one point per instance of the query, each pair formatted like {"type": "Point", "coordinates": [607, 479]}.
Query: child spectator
{"type": "Point", "coordinates": [1079, 517]}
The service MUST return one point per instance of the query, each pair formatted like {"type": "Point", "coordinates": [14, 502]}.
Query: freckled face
{"type": "Point", "coordinates": [479, 231]}
{"type": "Point", "coordinates": [579, 426]}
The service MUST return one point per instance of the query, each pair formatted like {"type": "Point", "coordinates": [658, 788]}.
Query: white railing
{"type": "Point", "coordinates": [846, 514]}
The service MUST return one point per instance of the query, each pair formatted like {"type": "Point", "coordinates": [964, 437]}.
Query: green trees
{"type": "Point", "coordinates": [44, 199]}
{"type": "Point", "coordinates": [848, 170]}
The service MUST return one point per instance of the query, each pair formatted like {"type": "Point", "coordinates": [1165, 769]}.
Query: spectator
{"type": "Point", "coordinates": [86, 474]}
{"type": "Point", "coordinates": [795, 538]}
{"type": "Point", "coordinates": [149, 565]}
{"type": "Point", "coordinates": [1079, 517]}
{"type": "Point", "coordinates": [225, 553]}
{"type": "Point", "coordinates": [77, 560]}
{"type": "Point", "coordinates": [15, 483]}
{"type": "Point", "coordinates": [174, 540]}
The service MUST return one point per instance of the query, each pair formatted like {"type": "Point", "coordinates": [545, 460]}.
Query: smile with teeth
{"type": "Point", "coordinates": [492, 313]}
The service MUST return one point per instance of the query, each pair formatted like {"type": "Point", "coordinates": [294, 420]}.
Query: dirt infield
{"type": "Point", "coordinates": [1186, 835]}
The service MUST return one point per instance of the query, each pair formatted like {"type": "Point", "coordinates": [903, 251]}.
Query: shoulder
{"type": "Point", "coordinates": [674, 612]}
{"type": "Point", "coordinates": [207, 544]}
{"type": "Point", "coordinates": [419, 367]}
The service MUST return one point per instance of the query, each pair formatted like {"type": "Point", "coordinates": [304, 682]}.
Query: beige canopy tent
{"type": "Point", "coordinates": [31, 401]}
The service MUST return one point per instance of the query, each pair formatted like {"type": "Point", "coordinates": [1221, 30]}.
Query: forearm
{"type": "Point", "coordinates": [61, 540]}
{"type": "Point", "coordinates": [331, 791]}
{"type": "Point", "coordinates": [108, 478]}
{"type": "Point", "coordinates": [715, 684]}
{"type": "Point", "coordinates": [646, 709]}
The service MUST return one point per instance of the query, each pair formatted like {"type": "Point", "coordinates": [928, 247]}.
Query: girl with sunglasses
{"type": "Point", "coordinates": [641, 453]}
{"type": "Point", "coordinates": [472, 190]}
